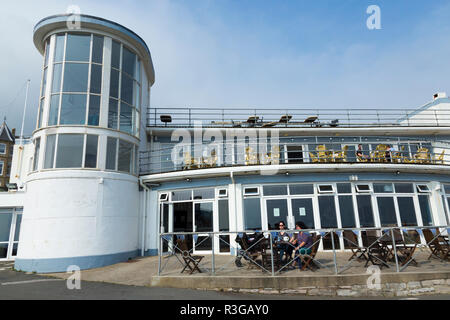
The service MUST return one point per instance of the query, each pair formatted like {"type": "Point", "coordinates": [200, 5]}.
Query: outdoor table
{"type": "Point", "coordinates": [404, 251]}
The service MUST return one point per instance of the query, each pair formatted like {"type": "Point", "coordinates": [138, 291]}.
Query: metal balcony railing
{"type": "Point", "coordinates": [279, 118]}
{"type": "Point", "coordinates": [194, 157]}
{"type": "Point", "coordinates": [343, 251]}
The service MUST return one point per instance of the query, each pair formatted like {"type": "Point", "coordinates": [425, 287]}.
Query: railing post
{"type": "Point", "coordinates": [213, 269]}
{"type": "Point", "coordinates": [189, 117]}
{"type": "Point", "coordinates": [334, 252]}
{"type": "Point", "coordinates": [155, 117]}
{"type": "Point", "coordinates": [395, 250]}
{"type": "Point", "coordinates": [271, 253]}
{"type": "Point", "coordinates": [407, 117]}
{"type": "Point", "coordinates": [436, 117]}
{"type": "Point", "coordinates": [159, 254]}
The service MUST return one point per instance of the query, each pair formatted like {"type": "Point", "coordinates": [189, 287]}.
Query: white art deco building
{"type": "Point", "coordinates": [106, 173]}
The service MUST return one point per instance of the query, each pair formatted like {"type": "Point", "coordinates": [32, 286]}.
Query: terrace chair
{"type": "Point", "coordinates": [376, 254]}
{"type": "Point", "coordinates": [422, 156]}
{"type": "Point", "coordinates": [404, 252]}
{"type": "Point", "coordinates": [322, 154]}
{"type": "Point", "coordinates": [250, 249]}
{"type": "Point", "coordinates": [313, 157]}
{"type": "Point", "coordinates": [190, 262]}
{"type": "Point", "coordinates": [440, 158]}
{"type": "Point", "coordinates": [275, 155]}
{"type": "Point", "coordinates": [351, 242]}
{"type": "Point", "coordinates": [308, 260]}
{"type": "Point", "coordinates": [437, 249]}
{"type": "Point", "coordinates": [211, 161]}
{"type": "Point", "coordinates": [189, 162]}
{"type": "Point", "coordinates": [379, 154]}
{"type": "Point", "coordinates": [250, 156]}
{"type": "Point", "coordinates": [341, 156]}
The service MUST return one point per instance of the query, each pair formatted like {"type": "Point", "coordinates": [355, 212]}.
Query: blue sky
{"type": "Point", "coordinates": [248, 53]}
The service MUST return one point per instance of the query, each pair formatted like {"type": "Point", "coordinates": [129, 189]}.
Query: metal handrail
{"type": "Point", "coordinates": [389, 231]}
{"type": "Point", "coordinates": [406, 152]}
{"type": "Point", "coordinates": [228, 118]}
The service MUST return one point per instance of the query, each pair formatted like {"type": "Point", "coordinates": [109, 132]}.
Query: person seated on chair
{"type": "Point", "coordinates": [302, 241]}
{"type": "Point", "coordinates": [360, 155]}
{"type": "Point", "coordinates": [282, 240]}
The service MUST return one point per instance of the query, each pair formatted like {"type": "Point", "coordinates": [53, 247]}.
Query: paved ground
{"type": "Point", "coordinates": [19, 285]}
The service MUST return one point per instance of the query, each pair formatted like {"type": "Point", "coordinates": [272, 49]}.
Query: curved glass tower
{"type": "Point", "coordinates": [82, 202]}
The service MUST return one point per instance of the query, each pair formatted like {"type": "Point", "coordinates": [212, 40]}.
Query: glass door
{"type": "Point", "coordinates": [302, 210]}
{"type": "Point", "coordinates": [6, 218]}
{"type": "Point", "coordinates": [10, 222]}
{"type": "Point", "coordinates": [277, 210]}
{"type": "Point", "coordinates": [203, 222]}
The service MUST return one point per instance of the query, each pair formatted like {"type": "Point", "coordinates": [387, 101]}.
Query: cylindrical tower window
{"type": "Point", "coordinates": [43, 85]}
{"type": "Point", "coordinates": [125, 89]}
{"type": "Point", "coordinates": [77, 80]}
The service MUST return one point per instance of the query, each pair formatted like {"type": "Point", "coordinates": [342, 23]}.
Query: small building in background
{"type": "Point", "coordinates": [7, 140]}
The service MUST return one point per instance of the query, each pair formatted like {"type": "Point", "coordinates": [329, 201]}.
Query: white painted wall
{"type": "Point", "coordinates": [76, 214]}
{"type": "Point", "coordinates": [21, 162]}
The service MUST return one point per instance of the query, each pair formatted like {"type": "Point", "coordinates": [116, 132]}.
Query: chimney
{"type": "Point", "coordinates": [439, 95]}
{"type": "Point", "coordinates": [13, 131]}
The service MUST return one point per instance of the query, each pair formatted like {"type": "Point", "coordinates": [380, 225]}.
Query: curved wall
{"type": "Point", "coordinates": [82, 201]}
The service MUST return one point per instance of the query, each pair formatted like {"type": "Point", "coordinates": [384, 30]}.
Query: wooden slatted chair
{"type": "Point", "coordinates": [191, 262]}
{"type": "Point", "coordinates": [308, 260]}
{"type": "Point", "coordinates": [440, 158]}
{"type": "Point", "coordinates": [437, 249]}
{"type": "Point", "coordinates": [351, 242]}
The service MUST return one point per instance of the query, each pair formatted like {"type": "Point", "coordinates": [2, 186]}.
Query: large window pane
{"type": "Point", "coordinates": [59, 50]}
{"type": "Point", "coordinates": [41, 112]}
{"type": "Point", "coordinates": [114, 84]}
{"type": "Point", "coordinates": [252, 214]}
{"type": "Point", "coordinates": [425, 210]}
{"type": "Point", "coordinates": [57, 73]}
{"type": "Point", "coordinates": [96, 79]}
{"type": "Point", "coordinates": [78, 47]}
{"type": "Point", "coordinates": [73, 109]}
{"type": "Point", "coordinates": [44, 82]}
{"type": "Point", "coordinates": [407, 211]}
{"type": "Point", "coordinates": [70, 151]}
{"type": "Point", "coordinates": [37, 147]}
{"type": "Point", "coordinates": [327, 209]}
{"type": "Point", "coordinates": [344, 188]}
{"type": "Point", "coordinates": [184, 195]}
{"type": "Point", "coordinates": [5, 226]}
{"type": "Point", "coordinates": [125, 156]}
{"type": "Point", "coordinates": [126, 92]}
{"type": "Point", "coordinates": [200, 194]}
{"type": "Point", "coordinates": [113, 118]}
{"type": "Point", "coordinates": [53, 114]}
{"type": "Point", "coordinates": [302, 210]}
{"type": "Point", "coordinates": [224, 225]}
{"type": "Point", "coordinates": [94, 110]}
{"type": "Point", "coordinates": [111, 152]}
{"type": "Point", "coordinates": [18, 224]}
{"type": "Point", "coordinates": [301, 189]}
{"type": "Point", "coordinates": [404, 188]}
{"type": "Point", "coordinates": [50, 151]}
{"type": "Point", "coordinates": [386, 210]}
{"type": "Point", "coordinates": [97, 49]}
{"type": "Point", "coordinates": [277, 211]}
{"type": "Point", "coordinates": [75, 77]}
{"type": "Point", "coordinates": [128, 62]}
{"type": "Point", "coordinates": [365, 211]}
{"type": "Point", "coordinates": [126, 118]}
{"type": "Point", "coordinates": [347, 211]}
{"type": "Point", "coordinates": [90, 160]}
{"type": "Point", "coordinates": [115, 56]}
{"type": "Point", "coordinates": [276, 190]}
{"type": "Point", "coordinates": [383, 188]}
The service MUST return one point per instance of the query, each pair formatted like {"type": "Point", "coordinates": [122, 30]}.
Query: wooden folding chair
{"type": "Point", "coordinates": [351, 242]}
{"type": "Point", "coordinates": [190, 262]}
{"type": "Point", "coordinates": [437, 249]}
{"type": "Point", "coordinates": [308, 260]}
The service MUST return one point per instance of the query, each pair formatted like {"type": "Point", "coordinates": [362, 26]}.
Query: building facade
{"type": "Point", "coordinates": [7, 140]}
{"type": "Point", "coordinates": [106, 174]}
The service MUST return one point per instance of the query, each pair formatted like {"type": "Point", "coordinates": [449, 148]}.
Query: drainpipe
{"type": "Point", "coordinates": [144, 215]}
